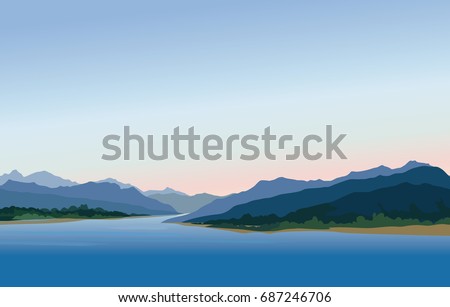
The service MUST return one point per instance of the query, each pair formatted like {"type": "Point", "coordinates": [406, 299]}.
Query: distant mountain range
{"type": "Point", "coordinates": [49, 180]}
{"type": "Point", "coordinates": [185, 203]}
{"type": "Point", "coordinates": [287, 203]}
{"type": "Point", "coordinates": [166, 191]}
{"type": "Point", "coordinates": [413, 204]}
{"type": "Point", "coordinates": [104, 195]}
{"type": "Point", "coordinates": [180, 201]}
{"type": "Point", "coordinates": [41, 178]}
{"type": "Point", "coordinates": [267, 189]}
{"type": "Point", "coordinates": [278, 197]}
{"type": "Point", "coordinates": [120, 184]}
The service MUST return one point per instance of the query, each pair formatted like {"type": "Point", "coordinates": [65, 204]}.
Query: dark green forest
{"type": "Point", "coordinates": [73, 212]}
{"type": "Point", "coordinates": [325, 217]}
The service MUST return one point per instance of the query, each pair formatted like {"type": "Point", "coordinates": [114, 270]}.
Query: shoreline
{"type": "Point", "coordinates": [63, 220]}
{"type": "Point", "coordinates": [412, 230]}
{"type": "Point", "coordinates": [39, 221]}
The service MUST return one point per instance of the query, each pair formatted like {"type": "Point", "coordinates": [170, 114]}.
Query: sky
{"type": "Point", "coordinates": [73, 72]}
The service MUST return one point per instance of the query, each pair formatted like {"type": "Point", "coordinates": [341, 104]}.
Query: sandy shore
{"type": "Point", "coordinates": [419, 230]}
{"type": "Point", "coordinates": [63, 220]}
{"type": "Point", "coordinates": [42, 221]}
{"type": "Point", "coordinates": [414, 230]}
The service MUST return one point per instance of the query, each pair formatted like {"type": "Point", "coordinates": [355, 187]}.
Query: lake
{"type": "Point", "coordinates": [148, 252]}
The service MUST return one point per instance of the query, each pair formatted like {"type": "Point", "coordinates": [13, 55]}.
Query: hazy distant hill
{"type": "Point", "coordinates": [185, 203]}
{"type": "Point", "coordinates": [41, 178]}
{"type": "Point", "coordinates": [163, 192]}
{"type": "Point", "coordinates": [46, 201]}
{"type": "Point", "coordinates": [106, 192]}
{"type": "Point", "coordinates": [120, 184]}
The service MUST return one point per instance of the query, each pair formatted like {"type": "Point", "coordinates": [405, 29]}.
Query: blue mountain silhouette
{"type": "Point", "coordinates": [405, 201]}
{"type": "Point", "coordinates": [185, 203]}
{"type": "Point", "coordinates": [46, 201]}
{"type": "Point", "coordinates": [163, 192]}
{"type": "Point", "coordinates": [42, 178]}
{"type": "Point", "coordinates": [398, 199]}
{"type": "Point", "coordinates": [115, 181]}
{"type": "Point", "coordinates": [286, 203]}
{"type": "Point", "coordinates": [106, 192]}
{"type": "Point", "coordinates": [267, 189]}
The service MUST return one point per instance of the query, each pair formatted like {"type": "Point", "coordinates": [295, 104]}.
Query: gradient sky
{"type": "Point", "coordinates": [73, 72]}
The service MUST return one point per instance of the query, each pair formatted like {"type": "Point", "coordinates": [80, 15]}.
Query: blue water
{"type": "Point", "coordinates": [148, 252]}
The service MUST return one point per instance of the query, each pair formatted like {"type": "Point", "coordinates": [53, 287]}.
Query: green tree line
{"type": "Point", "coordinates": [80, 212]}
